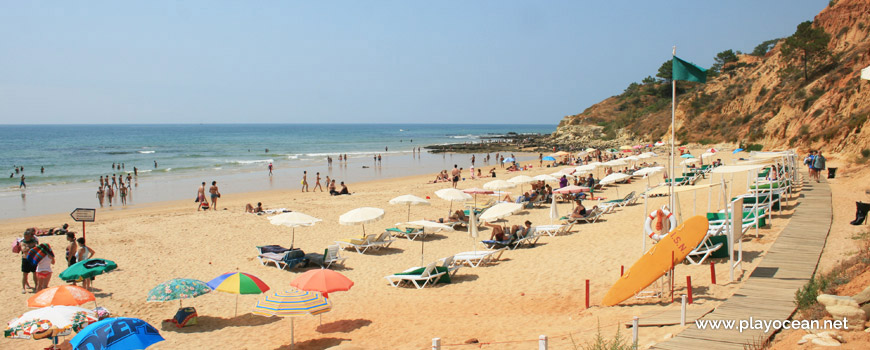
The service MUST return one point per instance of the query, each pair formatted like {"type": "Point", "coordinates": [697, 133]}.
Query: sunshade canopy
{"type": "Point", "coordinates": [362, 215]}
{"type": "Point", "coordinates": [500, 211]}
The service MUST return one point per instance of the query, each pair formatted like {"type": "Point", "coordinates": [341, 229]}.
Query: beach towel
{"type": "Point", "coordinates": [273, 248]}
{"type": "Point", "coordinates": [37, 253]}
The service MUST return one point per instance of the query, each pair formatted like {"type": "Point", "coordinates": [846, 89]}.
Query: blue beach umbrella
{"type": "Point", "coordinates": [509, 160]}
{"type": "Point", "coordinates": [116, 334]}
{"type": "Point", "coordinates": [737, 150]}
{"type": "Point", "coordinates": [548, 158]}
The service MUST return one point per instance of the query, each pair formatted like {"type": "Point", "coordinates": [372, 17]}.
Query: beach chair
{"type": "Point", "coordinates": [698, 255]}
{"type": "Point", "coordinates": [531, 238]}
{"type": "Point", "coordinates": [628, 199]}
{"type": "Point", "coordinates": [358, 244]}
{"type": "Point", "coordinates": [494, 244]}
{"type": "Point", "coordinates": [552, 230]}
{"type": "Point", "coordinates": [411, 233]}
{"type": "Point", "coordinates": [429, 275]}
{"type": "Point", "coordinates": [286, 260]}
{"type": "Point", "coordinates": [382, 241]}
{"type": "Point", "coordinates": [448, 264]}
{"type": "Point", "coordinates": [591, 217]}
{"type": "Point", "coordinates": [332, 254]}
{"type": "Point", "coordinates": [478, 258]}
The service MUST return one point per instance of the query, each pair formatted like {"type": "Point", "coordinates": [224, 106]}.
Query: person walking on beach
{"type": "Point", "coordinates": [101, 195]}
{"type": "Point", "coordinates": [114, 182]}
{"type": "Point", "coordinates": [317, 183]}
{"type": "Point", "coordinates": [110, 193]}
{"type": "Point", "coordinates": [123, 193]}
{"type": "Point", "coordinates": [819, 165]}
{"type": "Point", "coordinates": [155, 164]}
{"type": "Point", "coordinates": [215, 194]}
{"type": "Point", "coordinates": [43, 267]}
{"type": "Point", "coordinates": [472, 160]}
{"type": "Point", "coordinates": [270, 169]}
{"type": "Point", "coordinates": [22, 184]}
{"type": "Point", "coordinates": [541, 160]}
{"type": "Point", "coordinates": [200, 196]}
{"type": "Point", "coordinates": [455, 174]}
{"type": "Point", "coordinates": [304, 181]}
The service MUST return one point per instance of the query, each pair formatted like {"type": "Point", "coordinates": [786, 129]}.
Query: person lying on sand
{"type": "Point", "coordinates": [457, 216]}
{"type": "Point", "coordinates": [252, 209]}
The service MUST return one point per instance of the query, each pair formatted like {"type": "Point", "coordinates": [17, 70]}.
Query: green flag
{"type": "Point", "coordinates": [683, 70]}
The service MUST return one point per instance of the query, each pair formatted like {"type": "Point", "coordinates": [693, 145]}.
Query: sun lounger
{"type": "Point", "coordinates": [287, 260]}
{"type": "Point", "coordinates": [358, 244]}
{"type": "Point", "coordinates": [446, 264]}
{"type": "Point", "coordinates": [631, 198]}
{"type": "Point", "coordinates": [698, 255]}
{"type": "Point", "coordinates": [330, 255]}
{"type": "Point", "coordinates": [383, 240]}
{"type": "Point", "coordinates": [531, 238]}
{"type": "Point", "coordinates": [428, 275]}
{"type": "Point", "coordinates": [410, 233]}
{"type": "Point", "coordinates": [478, 258]}
{"type": "Point", "coordinates": [495, 244]}
{"type": "Point", "coordinates": [552, 230]}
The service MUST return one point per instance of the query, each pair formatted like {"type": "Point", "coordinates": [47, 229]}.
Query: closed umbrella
{"type": "Point", "coordinates": [472, 229]}
{"type": "Point", "coordinates": [238, 283]}
{"type": "Point", "coordinates": [361, 216]}
{"type": "Point", "coordinates": [118, 333]}
{"type": "Point", "coordinates": [178, 289]}
{"type": "Point", "coordinates": [410, 200]}
{"type": "Point", "coordinates": [554, 211]}
{"type": "Point", "coordinates": [293, 220]}
{"type": "Point", "coordinates": [61, 295]}
{"type": "Point", "coordinates": [292, 303]}
{"type": "Point", "coordinates": [452, 195]}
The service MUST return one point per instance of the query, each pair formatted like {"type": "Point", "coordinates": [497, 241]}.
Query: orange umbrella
{"type": "Point", "coordinates": [61, 295]}
{"type": "Point", "coordinates": [322, 280]}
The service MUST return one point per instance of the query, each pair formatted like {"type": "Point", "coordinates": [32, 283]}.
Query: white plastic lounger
{"type": "Point", "coordinates": [427, 276]}
{"type": "Point", "coordinates": [552, 230]}
{"type": "Point", "coordinates": [478, 258]}
{"type": "Point", "coordinates": [360, 245]}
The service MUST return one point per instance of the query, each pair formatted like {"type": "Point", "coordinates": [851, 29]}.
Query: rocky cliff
{"type": "Point", "coordinates": [753, 101]}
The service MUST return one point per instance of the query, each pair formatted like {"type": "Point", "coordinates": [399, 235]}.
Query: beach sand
{"type": "Point", "coordinates": [532, 291]}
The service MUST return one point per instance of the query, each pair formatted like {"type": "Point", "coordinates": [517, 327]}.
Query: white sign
{"type": "Point", "coordinates": [84, 214]}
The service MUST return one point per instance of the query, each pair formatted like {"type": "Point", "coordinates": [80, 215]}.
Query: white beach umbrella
{"type": "Point", "coordinates": [427, 226]}
{"type": "Point", "coordinates": [582, 153]}
{"type": "Point", "coordinates": [632, 158]}
{"type": "Point", "coordinates": [545, 177]}
{"type": "Point", "coordinates": [865, 73]}
{"type": "Point", "coordinates": [520, 180]}
{"type": "Point", "coordinates": [612, 178]}
{"type": "Point", "coordinates": [500, 211]}
{"type": "Point", "coordinates": [361, 216]}
{"type": "Point", "coordinates": [452, 195]}
{"type": "Point", "coordinates": [410, 200]}
{"type": "Point", "coordinates": [496, 185]}
{"type": "Point", "coordinates": [644, 156]}
{"type": "Point", "coordinates": [649, 170]}
{"type": "Point", "coordinates": [585, 168]}
{"type": "Point", "coordinates": [293, 220]}
{"type": "Point", "coordinates": [707, 154]}
{"type": "Point", "coordinates": [590, 150]}
{"type": "Point", "coordinates": [615, 162]}
{"type": "Point", "coordinates": [651, 154]}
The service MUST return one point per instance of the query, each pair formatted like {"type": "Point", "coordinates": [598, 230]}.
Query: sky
{"type": "Point", "coordinates": [481, 62]}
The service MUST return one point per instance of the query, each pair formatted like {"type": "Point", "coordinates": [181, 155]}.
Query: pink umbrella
{"type": "Point", "coordinates": [638, 146]}
{"type": "Point", "coordinates": [571, 189]}
{"type": "Point", "coordinates": [475, 191]}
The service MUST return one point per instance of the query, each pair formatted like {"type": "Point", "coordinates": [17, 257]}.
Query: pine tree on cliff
{"type": "Point", "coordinates": [807, 43]}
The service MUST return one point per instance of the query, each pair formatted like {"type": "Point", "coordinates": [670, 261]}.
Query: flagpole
{"type": "Point", "coordinates": [673, 131]}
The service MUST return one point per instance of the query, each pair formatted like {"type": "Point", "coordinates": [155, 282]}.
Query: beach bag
{"type": "Point", "coordinates": [185, 316]}
{"type": "Point", "coordinates": [16, 248]}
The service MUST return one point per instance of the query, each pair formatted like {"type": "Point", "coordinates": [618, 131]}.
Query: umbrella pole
{"type": "Point", "coordinates": [292, 335]}
{"type": "Point", "coordinates": [409, 211]}
{"type": "Point", "coordinates": [422, 244]}
{"type": "Point", "coordinates": [237, 306]}
{"type": "Point", "coordinates": [293, 239]}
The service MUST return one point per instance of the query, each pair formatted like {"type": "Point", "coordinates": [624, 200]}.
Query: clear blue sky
{"type": "Point", "coordinates": [354, 61]}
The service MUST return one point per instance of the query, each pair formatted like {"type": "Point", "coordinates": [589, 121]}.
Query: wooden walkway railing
{"type": "Point", "coordinates": [768, 293]}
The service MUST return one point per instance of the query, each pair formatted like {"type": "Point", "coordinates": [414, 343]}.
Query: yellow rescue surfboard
{"type": "Point", "coordinates": [657, 260]}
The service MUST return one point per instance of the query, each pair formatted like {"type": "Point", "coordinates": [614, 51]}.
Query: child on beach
{"type": "Point", "coordinates": [84, 253]}
{"type": "Point", "coordinates": [43, 267]}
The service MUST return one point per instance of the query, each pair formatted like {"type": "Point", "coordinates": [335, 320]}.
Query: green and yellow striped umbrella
{"type": "Point", "coordinates": [292, 303]}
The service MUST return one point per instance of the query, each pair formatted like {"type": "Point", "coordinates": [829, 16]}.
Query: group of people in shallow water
{"type": "Point", "coordinates": [109, 186]}
{"type": "Point", "coordinates": [37, 258]}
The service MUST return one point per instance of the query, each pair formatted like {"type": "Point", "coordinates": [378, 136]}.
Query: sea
{"type": "Point", "coordinates": [171, 160]}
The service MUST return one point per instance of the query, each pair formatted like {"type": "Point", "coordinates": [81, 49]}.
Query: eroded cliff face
{"type": "Point", "coordinates": [752, 101]}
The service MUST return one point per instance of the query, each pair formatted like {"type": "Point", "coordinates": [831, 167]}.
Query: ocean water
{"type": "Point", "coordinates": [75, 156]}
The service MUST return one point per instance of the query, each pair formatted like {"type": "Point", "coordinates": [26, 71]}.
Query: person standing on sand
{"type": "Point", "coordinates": [22, 184]}
{"type": "Point", "coordinates": [24, 245]}
{"type": "Point", "coordinates": [100, 195]}
{"type": "Point", "coordinates": [541, 160]}
{"type": "Point", "coordinates": [71, 250]}
{"type": "Point", "coordinates": [215, 194]}
{"type": "Point", "coordinates": [270, 169]}
{"type": "Point", "coordinates": [200, 196]}
{"type": "Point", "coordinates": [84, 253]}
{"type": "Point", "coordinates": [317, 183]}
{"type": "Point", "coordinates": [455, 174]}
{"type": "Point", "coordinates": [123, 193]}
{"type": "Point", "coordinates": [472, 160]}
{"type": "Point", "coordinates": [304, 181]}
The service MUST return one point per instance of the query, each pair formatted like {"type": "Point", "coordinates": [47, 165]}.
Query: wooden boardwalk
{"type": "Point", "coordinates": [768, 293]}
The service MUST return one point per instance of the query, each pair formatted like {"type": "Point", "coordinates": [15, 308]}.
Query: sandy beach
{"type": "Point", "coordinates": [530, 292]}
